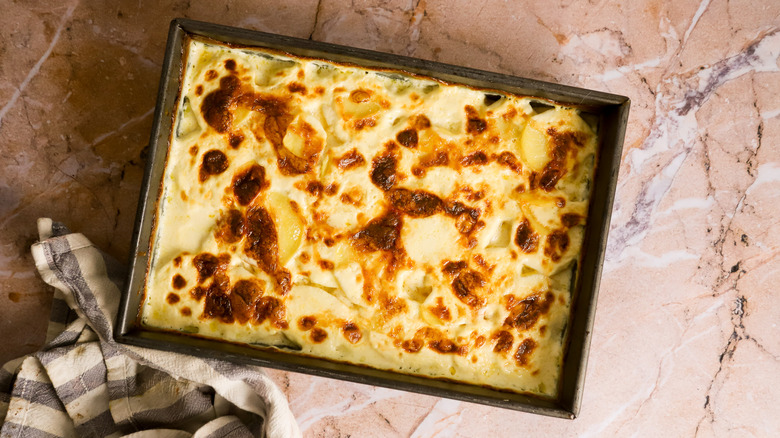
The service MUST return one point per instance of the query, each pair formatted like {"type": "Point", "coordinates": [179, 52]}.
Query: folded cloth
{"type": "Point", "coordinates": [84, 384]}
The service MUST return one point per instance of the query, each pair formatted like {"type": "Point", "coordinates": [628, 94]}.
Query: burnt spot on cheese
{"type": "Point", "coordinates": [230, 227]}
{"type": "Point", "coordinates": [193, 150]}
{"type": "Point", "coordinates": [186, 311]}
{"type": "Point", "coordinates": [206, 264]}
{"type": "Point", "coordinates": [218, 305]}
{"type": "Point", "coordinates": [230, 64]}
{"type": "Point", "coordinates": [304, 257]}
{"type": "Point", "coordinates": [306, 323]}
{"type": "Point", "coordinates": [248, 183]}
{"type": "Point", "coordinates": [466, 218]}
{"type": "Point", "coordinates": [421, 122]}
{"type": "Point", "coordinates": [413, 345]}
{"type": "Point", "coordinates": [479, 341]}
{"type": "Point", "coordinates": [415, 203]}
{"type": "Point", "coordinates": [360, 96]}
{"type": "Point", "coordinates": [474, 124]}
{"type": "Point", "coordinates": [480, 261]}
{"type": "Point", "coordinates": [524, 314]}
{"type": "Point", "coordinates": [351, 332]}
{"type": "Point", "coordinates": [262, 243]}
{"type": "Point", "coordinates": [560, 202]}
{"type": "Point", "coordinates": [508, 159]}
{"type": "Point", "coordinates": [556, 245]}
{"type": "Point", "coordinates": [440, 310]}
{"type": "Point", "coordinates": [271, 309]}
{"type": "Point", "coordinates": [466, 285]}
{"type": "Point", "coordinates": [350, 160]}
{"type": "Point", "coordinates": [472, 194]}
{"type": "Point", "coordinates": [198, 292]}
{"type": "Point", "coordinates": [504, 341]}
{"type": "Point", "coordinates": [326, 265]}
{"type": "Point", "coordinates": [391, 305]}
{"type": "Point", "coordinates": [296, 87]}
{"type": "Point", "coordinates": [235, 139]}
{"type": "Point", "coordinates": [444, 346]}
{"type": "Point", "coordinates": [211, 75]}
{"type": "Point", "coordinates": [453, 268]}
{"type": "Point", "coordinates": [383, 171]}
{"type": "Point", "coordinates": [477, 158]}
{"type": "Point", "coordinates": [546, 180]}
{"type": "Point", "coordinates": [381, 234]}
{"type": "Point", "coordinates": [570, 220]}
{"type": "Point", "coordinates": [352, 197]}
{"type": "Point", "coordinates": [177, 261]}
{"type": "Point", "coordinates": [314, 188]}
{"type": "Point", "coordinates": [178, 282]}
{"type": "Point", "coordinates": [199, 90]}
{"type": "Point", "coordinates": [439, 158]}
{"type": "Point", "coordinates": [510, 114]}
{"type": "Point", "coordinates": [331, 189]}
{"type": "Point", "coordinates": [216, 106]}
{"type": "Point", "coordinates": [243, 297]}
{"type": "Point", "coordinates": [329, 242]}
{"type": "Point", "coordinates": [172, 298]}
{"type": "Point", "coordinates": [524, 351]}
{"type": "Point", "coordinates": [366, 122]}
{"type": "Point", "coordinates": [407, 138]}
{"type": "Point", "coordinates": [525, 237]}
{"type": "Point", "coordinates": [318, 335]}
{"type": "Point", "coordinates": [437, 341]}
{"type": "Point", "coordinates": [249, 290]}
{"type": "Point", "coordinates": [283, 281]}
{"type": "Point", "coordinates": [214, 162]}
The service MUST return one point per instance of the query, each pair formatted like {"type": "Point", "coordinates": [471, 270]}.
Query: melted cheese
{"type": "Point", "coordinates": [370, 217]}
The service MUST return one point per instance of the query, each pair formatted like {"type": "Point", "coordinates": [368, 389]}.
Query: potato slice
{"type": "Point", "coordinates": [289, 226]}
{"type": "Point", "coordinates": [305, 136]}
{"type": "Point", "coordinates": [361, 109]}
{"type": "Point", "coordinates": [188, 122]}
{"type": "Point", "coordinates": [535, 149]}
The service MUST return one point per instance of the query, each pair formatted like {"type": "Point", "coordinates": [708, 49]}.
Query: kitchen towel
{"type": "Point", "coordinates": [83, 384]}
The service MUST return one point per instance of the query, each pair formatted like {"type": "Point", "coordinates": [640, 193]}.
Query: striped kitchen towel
{"type": "Point", "coordinates": [84, 384]}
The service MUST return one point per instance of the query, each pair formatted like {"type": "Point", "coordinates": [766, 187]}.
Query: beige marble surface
{"type": "Point", "coordinates": [686, 341]}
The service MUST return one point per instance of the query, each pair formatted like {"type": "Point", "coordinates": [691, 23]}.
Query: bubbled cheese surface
{"type": "Point", "coordinates": [370, 217]}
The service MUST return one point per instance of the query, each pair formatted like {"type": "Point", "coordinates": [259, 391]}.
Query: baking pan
{"type": "Point", "coordinates": [608, 111]}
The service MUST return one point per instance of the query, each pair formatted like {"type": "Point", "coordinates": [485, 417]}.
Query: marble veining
{"type": "Point", "coordinates": [686, 339]}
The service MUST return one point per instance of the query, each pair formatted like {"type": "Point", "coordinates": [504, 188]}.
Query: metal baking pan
{"type": "Point", "coordinates": [610, 113]}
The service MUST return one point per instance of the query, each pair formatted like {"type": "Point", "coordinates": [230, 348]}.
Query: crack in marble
{"type": "Point", "coordinates": [737, 334]}
{"type": "Point", "coordinates": [347, 406]}
{"type": "Point", "coordinates": [316, 19]}
{"type": "Point", "coordinates": [667, 358]}
{"type": "Point", "coordinates": [681, 125]}
{"type": "Point", "coordinates": [438, 419]}
{"type": "Point", "coordinates": [694, 21]}
{"type": "Point", "coordinates": [37, 67]}
{"type": "Point", "coordinates": [415, 22]}
{"type": "Point", "coordinates": [759, 132]}
{"type": "Point", "coordinates": [121, 127]}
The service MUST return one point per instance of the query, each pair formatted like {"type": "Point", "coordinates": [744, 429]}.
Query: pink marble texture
{"type": "Point", "coordinates": [686, 341]}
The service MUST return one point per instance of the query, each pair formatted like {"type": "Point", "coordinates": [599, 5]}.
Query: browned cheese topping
{"type": "Point", "coordinates": [372, 217]}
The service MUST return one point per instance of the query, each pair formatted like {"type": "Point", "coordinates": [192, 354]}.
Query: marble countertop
{"type": "Point", "coordinates": [685, 342]}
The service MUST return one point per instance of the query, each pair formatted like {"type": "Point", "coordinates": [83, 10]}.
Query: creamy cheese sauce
{"type": "Point", "coordinates": [370, 217]}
